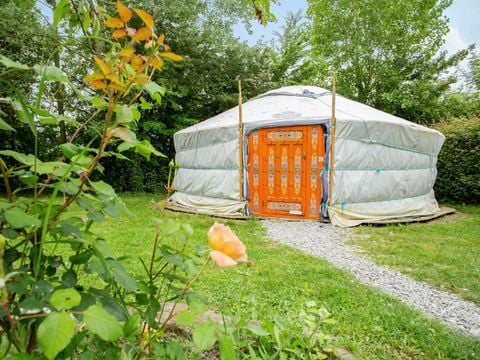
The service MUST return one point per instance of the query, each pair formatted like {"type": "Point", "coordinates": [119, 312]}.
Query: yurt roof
{"type": "Point", "coordinates": [298, 103]}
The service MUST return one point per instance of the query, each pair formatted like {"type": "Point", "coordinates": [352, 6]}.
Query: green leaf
{"type": "Point", "coordinates": [54, 333]}
{"type": "Point", "coordinates": [24, 114]}
{"type": "Point", "coordinates": [155, 91]}
{"type": "Point", "coordinates": [204, 336]}
{"type": "Point", "coordinates": [12, 64]}
{"type": "Point", "coordinates": [46, 167]}
{"type": "Point", "coordinates": [70, 150]}
{"type": "Point", "coordinates": [145, 149]}
{"type": "Point", "coordinates": [257, 329]}
{"type": "Point", "coordinates": [125, 146]}
{"type": "Point", "coordinates": [102, 248]}
{"type": "Point", "coordinates": [102, 324]}
{"type": "Point", "coordinates": [61, 11]}
{"type": "Point", "coordinates": [132, 326]}
{"type": "Point", "coordinates": [5, 126]}
{"type": "Point", "coordinates": [145, 105]}
{"type": "Point", "coordinates": [124, 114]}
{"type": "Point", "coordinates": [65, 299]}
{"type": "Point", "coordinates": [121, 276]}
{"type": "Point", "coordinates": [81, 258]}
{"type": "Point", "coordinates": [169, 227]}
{"type": "Point", "coordinates": [125, 134]}
{"type": "Point", "coordinates": [227, 348]}
{"type": "Point", "coordinates": [18, 219]}
{"type": "Point", "coordinates": [31, 306]}
{"type": "Point", "coordinates": [196, 303]}
{"type": "Point", "coordinates": [28, 178]}
{"type": "Point", "coordinates": [50, 72]}
{"type": "Point", "coordinates": [19, 356]}
{"type": "Point", "coordinates": [185, 318]}
{"type": "Point", "coordinates": [103, 188]}
{"type": "Point", "coordinates": [21, 158]}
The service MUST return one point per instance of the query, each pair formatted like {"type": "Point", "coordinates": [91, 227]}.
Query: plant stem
{"type": "Point", "coordinates": [154, 252]}
{"type": "Point", "coordinates": [182, 294]}
{"type": "Point", "coordinates": [6, 181]}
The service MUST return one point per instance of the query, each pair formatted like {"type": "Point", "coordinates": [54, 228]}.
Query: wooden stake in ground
{"type": "Point", "coordinates": [240, 138]}
{"type": "Point", "coordinates": [333, 122]}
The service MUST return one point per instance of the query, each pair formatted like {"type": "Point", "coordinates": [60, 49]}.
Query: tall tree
{"type": "Point", "coordinates": [386, 54]}
{"type": "Point", "coordinates": [292, 63]}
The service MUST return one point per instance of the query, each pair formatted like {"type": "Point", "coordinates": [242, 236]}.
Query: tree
{"type": "Point", "coordinates": [387, 55]}
{"type": "Point", "coordinates": [292, 63]}
{"type": "Point", "coordinates": [474, 75]}
{"type": "Point", "coordinates": [201, 86]}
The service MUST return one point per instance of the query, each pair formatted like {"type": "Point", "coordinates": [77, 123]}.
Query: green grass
{"type": "Point", "coordinates": [444, 253]}
{"type": "Point", "coordinates": [372, 325]}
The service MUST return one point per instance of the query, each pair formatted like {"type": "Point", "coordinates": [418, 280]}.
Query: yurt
{"type": "Point", "coordinates": [294, 153]}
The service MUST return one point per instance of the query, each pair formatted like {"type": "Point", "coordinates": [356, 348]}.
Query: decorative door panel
{"type": "Point", "coordinates": [284, 171]}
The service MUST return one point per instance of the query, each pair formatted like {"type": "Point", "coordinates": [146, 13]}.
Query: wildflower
{"type": "Point", "coordinates": [227, 249]}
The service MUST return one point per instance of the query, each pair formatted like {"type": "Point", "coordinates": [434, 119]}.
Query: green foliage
{"type": "Point", "coordinates": [460, 104]}
{"type": "Point", "coordinates": [45, 286]}
{"type": "Point", "coordinates": [458, 178]}
{"type": "Point", "coordinates": [54, 333]}
{"type": "Point", "coordinates": [386, 56]}
{"type": "Point", "coordinates": [475, 72]}
{"type": "Point", "coordinates": [292, 63]}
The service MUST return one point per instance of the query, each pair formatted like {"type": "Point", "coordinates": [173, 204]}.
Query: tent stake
{"type": "Point", "coordinates": [333, 122]}
{"type": "Point", "coordinates": [240, 137]}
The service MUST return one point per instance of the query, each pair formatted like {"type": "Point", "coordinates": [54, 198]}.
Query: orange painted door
{"type": "Point", "coordinates": [284, 166]}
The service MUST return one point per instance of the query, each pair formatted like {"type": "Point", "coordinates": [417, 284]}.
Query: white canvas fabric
{"type": "Point", "coordinates": [384, 166]}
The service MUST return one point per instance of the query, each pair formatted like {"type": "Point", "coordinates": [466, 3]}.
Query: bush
{"type": "Point", "coordinates": [137, 174]}
{"type": "Point", "coordinates": [459, 161]}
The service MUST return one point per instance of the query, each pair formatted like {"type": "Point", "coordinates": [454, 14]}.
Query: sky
{"type": "Point", "coordinates": [464, 23]}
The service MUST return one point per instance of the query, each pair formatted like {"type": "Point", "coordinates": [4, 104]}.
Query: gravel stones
{"type": "Point", "coordinates": [328, 242]}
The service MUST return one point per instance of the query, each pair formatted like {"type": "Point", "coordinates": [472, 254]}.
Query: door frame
{"type": "Point", "coordinates": [314, 148]}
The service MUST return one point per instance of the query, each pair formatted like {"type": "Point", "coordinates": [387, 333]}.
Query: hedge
{"type": "Point", "coordinates": [458, 165]}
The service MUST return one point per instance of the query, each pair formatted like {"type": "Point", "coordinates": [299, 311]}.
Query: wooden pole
{"type": "Point", "coordinates": [333, 122]}
{"type": "Point", "coordinates": [240, 138]}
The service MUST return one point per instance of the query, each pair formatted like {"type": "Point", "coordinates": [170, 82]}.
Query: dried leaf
{"type": "Point", "coordinates": [114, 23]}
{"type": "Point", "coordinates": [160, 39]}
{"type": "Point", "coordinates": [118, 34]}
{"type": "Point", "coordinates": [156, 62]}
{"type": "Point", "coordinates": [136, 62]}
{"type": "Point", "coordinates": [128, 52]}
{"type": "Point", "coordinates": [142, 34]}
{"type": "Point", "coordinates": [125, 13]}
{"type": "Point", "coordinates": [116, 87]}
{"type": "Point", "coordinates": [170, 55]}
{"type": "Point", "coordinates": [102, 65]}
{"type": "Point", "coordinates": [97, 75]}
{"type": "Point", "coordinates": [98, 85]}
{"type": "Point", "coordinates": [146, 17]}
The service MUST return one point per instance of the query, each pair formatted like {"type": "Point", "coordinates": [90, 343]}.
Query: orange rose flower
{"type": "Point", "coordinates": [227, 249]}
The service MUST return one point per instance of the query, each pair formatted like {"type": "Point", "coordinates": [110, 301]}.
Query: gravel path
{"type": "Point", "coordinates": [328, 242]}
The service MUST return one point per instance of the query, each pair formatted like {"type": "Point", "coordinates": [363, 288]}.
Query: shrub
{"type": "Point", "coordinates": [458, 166]}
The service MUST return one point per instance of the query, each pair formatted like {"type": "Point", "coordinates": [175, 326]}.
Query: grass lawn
{"type": "Point", "coordinates": [369, 323]}
{"type": "Point", "coordinates": [444, 253]}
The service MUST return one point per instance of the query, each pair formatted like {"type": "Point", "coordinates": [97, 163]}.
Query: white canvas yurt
{"type": "Point", "coordinates": [379, 167]}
